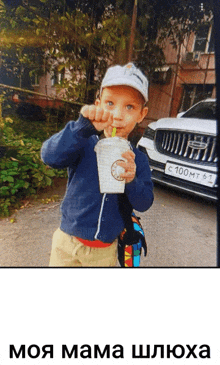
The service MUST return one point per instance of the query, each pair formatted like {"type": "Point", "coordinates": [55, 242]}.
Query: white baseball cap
{"type": "Point", "coordinates": [128, 75]}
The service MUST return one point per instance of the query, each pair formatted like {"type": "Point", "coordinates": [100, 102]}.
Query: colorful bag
{"type": "Point", "coordinates": [132, 238]}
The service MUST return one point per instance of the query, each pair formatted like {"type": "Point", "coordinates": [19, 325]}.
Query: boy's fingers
{"type": "Point", "coordinates": [95, 113]}
{"type": "Point", "coordinates": [122, 163]}
{"type": "Point", "coordinates": [88, 111]}
{"type": "Point", "coordinates": [98, 116]}
{"type": "Point", "coordinates": [129, 166]}
{"type": "Point", "coordinates": [92, 112]}
{"type": "Point", "coordinates": [128, 176]}
{"type": "Point", "coordinates": [106, 120]}
{"type": "Point", "coordinates": [85, 111]}
{"type": "Point", "coordinates": [105, 116]}
{"type": "Point", "coordinates": [129, 155]}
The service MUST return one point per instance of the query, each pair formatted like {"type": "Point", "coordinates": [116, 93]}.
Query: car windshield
{"type": "Point", "coordinates": [205, 110]}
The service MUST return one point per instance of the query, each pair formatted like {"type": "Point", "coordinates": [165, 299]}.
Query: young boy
{"type": "Point", "coordinates": [91, 221]}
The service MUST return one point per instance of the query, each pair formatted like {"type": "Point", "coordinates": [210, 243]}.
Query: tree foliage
{"type": "Point", "coordinates": [23, 173]}
{"type": "Point", "coordinates": [84, 36]}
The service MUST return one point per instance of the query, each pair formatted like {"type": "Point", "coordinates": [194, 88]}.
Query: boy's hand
{"type": "Point", "coordinates": [99, 117]}
{"type": "Point", "coordinates": [129, 166]}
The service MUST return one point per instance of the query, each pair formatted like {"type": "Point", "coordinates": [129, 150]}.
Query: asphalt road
{"type": "Point", "coordinates": [180, 231]}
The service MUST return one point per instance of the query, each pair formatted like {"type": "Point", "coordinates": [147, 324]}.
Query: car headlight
{"type": "Point", "coordinates": [149, 133]}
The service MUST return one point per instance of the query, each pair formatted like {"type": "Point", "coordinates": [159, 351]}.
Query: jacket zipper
{"type": "Point", "coordinates": [100, 216]}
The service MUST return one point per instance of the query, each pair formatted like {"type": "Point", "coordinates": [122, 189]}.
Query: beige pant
{"type": "Point", "coordinates": [69, 251]}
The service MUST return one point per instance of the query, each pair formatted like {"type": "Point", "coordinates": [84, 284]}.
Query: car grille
{"type": "Point", "coordinates": [187, 146]}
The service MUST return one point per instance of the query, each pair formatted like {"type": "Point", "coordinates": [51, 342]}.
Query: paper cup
{"type": "Point", "coordinates": [109, 151]}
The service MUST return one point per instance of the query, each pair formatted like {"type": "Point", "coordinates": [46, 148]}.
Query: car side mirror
{"type": "Point", "coordinates": [179, 115]}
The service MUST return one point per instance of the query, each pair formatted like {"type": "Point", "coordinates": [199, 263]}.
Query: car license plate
{"type": "Point", "coordinates": [190, 174]}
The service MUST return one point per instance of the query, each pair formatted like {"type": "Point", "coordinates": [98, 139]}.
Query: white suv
{"type": "Point", "coordinates": [182, 151]}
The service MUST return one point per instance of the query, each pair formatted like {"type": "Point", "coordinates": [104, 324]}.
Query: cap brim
{"type": "Point", "coordinates": [121, 82]}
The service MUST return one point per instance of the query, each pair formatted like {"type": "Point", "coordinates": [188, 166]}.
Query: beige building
{"type": "Point", "coordinates": [187, 77]}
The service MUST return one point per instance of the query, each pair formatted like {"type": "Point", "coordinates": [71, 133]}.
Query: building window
{"type": "Point", "coordinates": [162, 75]}
{"type": "Point", "coordinates": [57, 77]}
{"type": "Point", "coordinates": [204, 40]}
{"type": "Point", "coordinates": [35, 79]}
{"type": "Point", "coordinates": [192, 94]}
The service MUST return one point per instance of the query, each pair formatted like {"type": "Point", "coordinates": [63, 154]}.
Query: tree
{"type": "Point", "coordinates": [159, 21]}
{"type": "Point", "coordinates": [21, 51]}
{"type": "Point", "coordinates": [85, 36]}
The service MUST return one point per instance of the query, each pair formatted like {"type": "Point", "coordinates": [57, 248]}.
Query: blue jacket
{"type": "Point", "coordinates": [86, 213]}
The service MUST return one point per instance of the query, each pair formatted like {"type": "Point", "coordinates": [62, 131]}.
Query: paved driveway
{"type": "Point", "coordinates": [180, 231]}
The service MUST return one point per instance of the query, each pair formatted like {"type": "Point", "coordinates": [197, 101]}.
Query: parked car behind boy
{"type": "Point", "coordinates": [182, 151]}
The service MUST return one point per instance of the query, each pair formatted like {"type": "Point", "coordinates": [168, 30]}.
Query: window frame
{"type": "Point", "coordinates": [57, 77]}
{"type": "Point", "coordinates": [207, 40]}
{"type": "Point", "coordinates": [36, 80]}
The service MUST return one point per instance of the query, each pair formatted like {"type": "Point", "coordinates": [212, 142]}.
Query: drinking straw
{"type": "Point", "coordinates": [114, 131]}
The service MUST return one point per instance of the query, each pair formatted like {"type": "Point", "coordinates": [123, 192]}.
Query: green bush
{"type": "Point", "coordinates": [22, 172]}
